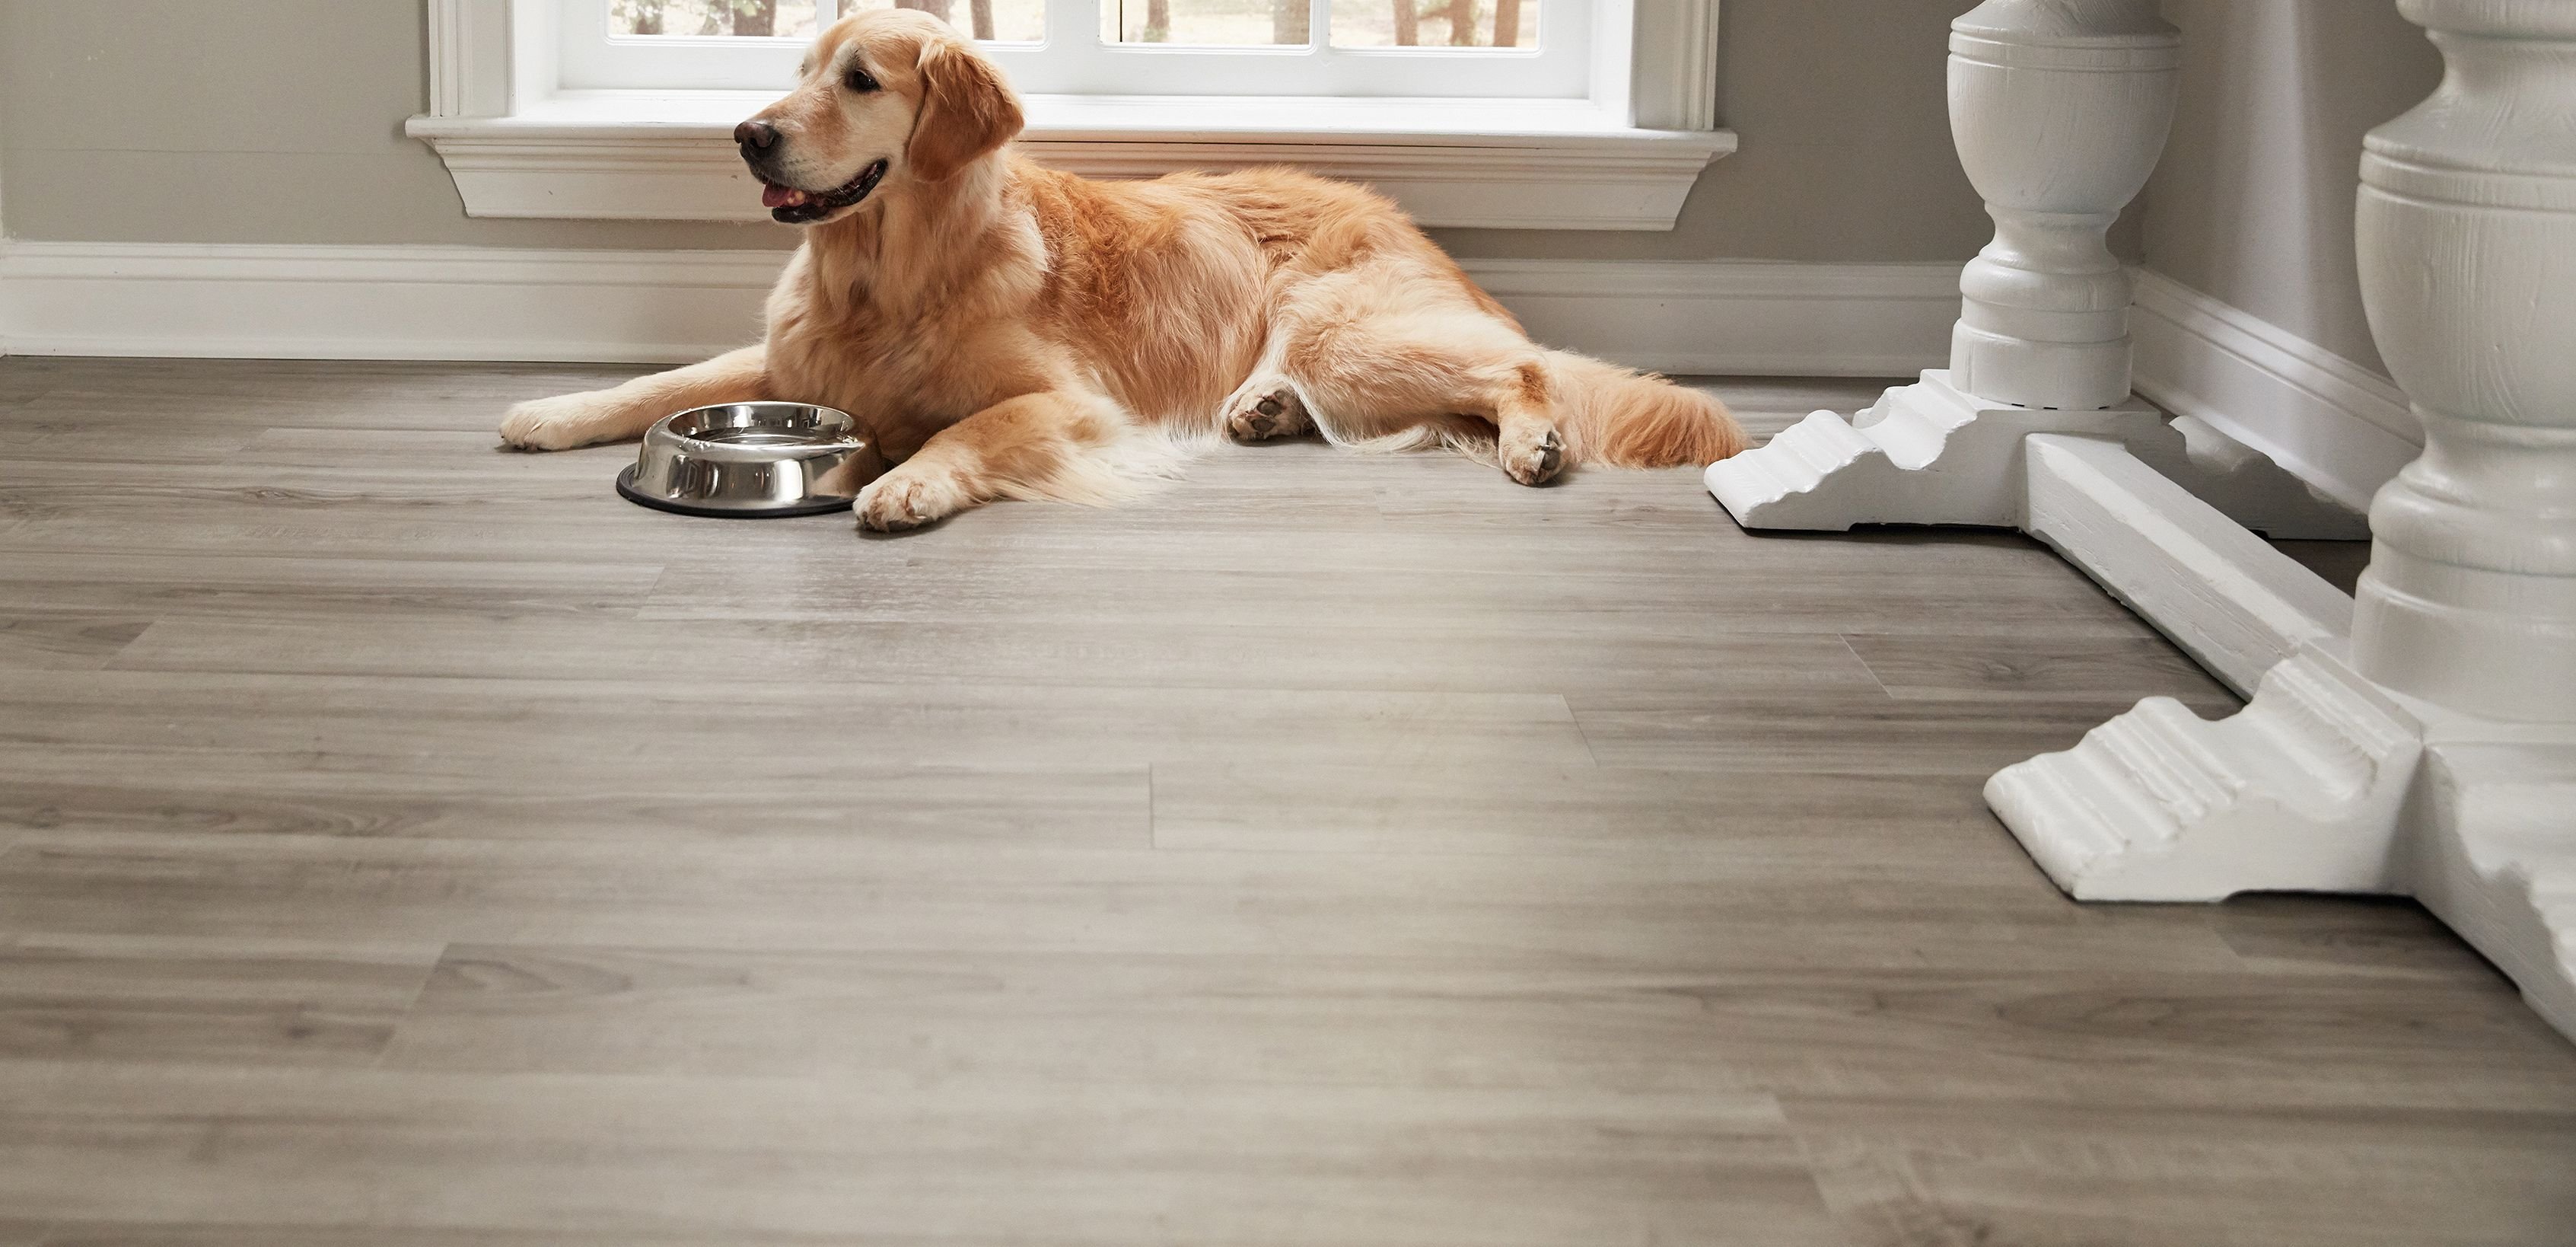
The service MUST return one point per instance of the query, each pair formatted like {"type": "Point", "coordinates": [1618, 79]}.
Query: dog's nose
{"type": "Point", "coordinates": [755, 136]}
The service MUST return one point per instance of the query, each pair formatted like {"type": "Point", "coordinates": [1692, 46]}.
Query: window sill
{"type": "Point", "coordinates": [1483, 163]}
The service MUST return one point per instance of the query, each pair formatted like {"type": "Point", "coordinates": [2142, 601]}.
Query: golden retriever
{"type": "Point", "coordinates": [1006, 331]}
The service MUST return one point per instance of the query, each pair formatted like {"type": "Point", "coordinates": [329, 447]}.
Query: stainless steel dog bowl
{"type": "Point", "coordinates": [752, 460]}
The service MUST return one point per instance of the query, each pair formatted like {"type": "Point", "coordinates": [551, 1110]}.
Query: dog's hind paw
{"type": "Point", "coordinates": [1532, 455]}
{"type": "Point", "coordinates": [1260, 413]}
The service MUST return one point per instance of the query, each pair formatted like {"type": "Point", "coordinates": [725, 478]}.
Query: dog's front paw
{"type": "Point", "coordinates": [1532, 454]}
{"type": "Point", "coordinates": [909, 498]}
{"type": "Point", "coordinates": [1262, 411]}
{"type": "Point", "coordinates": [551, 423]}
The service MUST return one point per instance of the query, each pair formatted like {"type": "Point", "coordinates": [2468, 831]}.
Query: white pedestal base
{"type": "Point", "coordinates": [2325, 783]}
{"type": "Point", "coordinates": [1931, 454]}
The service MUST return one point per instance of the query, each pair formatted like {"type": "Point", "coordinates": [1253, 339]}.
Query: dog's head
{"type": "Point", "coordinates": [884, 97]}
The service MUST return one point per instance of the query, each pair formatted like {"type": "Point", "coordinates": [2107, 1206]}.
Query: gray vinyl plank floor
{"type": "Point", "coordinates": [404, 842]}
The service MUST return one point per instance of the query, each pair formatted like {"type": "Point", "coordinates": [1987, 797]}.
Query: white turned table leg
{"type": "Point", "coordinates": [2060, 109]}
{"type": "Point", "coordinates": [2434, 751]}
{"type": "Point", "coordinates": [2467, 235]}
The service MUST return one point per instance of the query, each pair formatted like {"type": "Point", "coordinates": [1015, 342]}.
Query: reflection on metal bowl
{"type": "Point", "coordinates": [752, 460]}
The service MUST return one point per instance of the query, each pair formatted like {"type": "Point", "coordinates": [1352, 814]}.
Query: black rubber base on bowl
{"type": "Point", "coordinates": [626, 489]}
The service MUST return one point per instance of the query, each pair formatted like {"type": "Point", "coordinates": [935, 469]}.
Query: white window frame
{"type": "Point", "coordinates": [1622, 157]}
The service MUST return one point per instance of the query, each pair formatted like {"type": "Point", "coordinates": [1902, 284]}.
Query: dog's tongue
{"type": "Point", "coordinates": [774, 196]}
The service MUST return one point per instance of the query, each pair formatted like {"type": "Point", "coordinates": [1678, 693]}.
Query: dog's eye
{"type": "Point", "coordinates": [859, 80]}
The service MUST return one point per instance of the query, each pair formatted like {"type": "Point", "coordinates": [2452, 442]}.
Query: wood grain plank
{"type": "Point", "coordinates": [1900, 1173]}
{"type": "Point", "coordinates": [565, 729]}
{"type": "Point", "coordinates": [1167, 1018]}
{"type": "Point", "coordinates": [327, 513]}
{"type": "Point", "coordinates": [1798, 820]}
{"type": "Point", "coordinates": [1435, 571]}
{"type": "Point", "coordinates": [840, 797]}
{"type": "Point", "coordinates": [24, 379]}
{"type": "Point", "coordinates": [272, 1234]}
{"type": "Point", "coordinates": [2347, 935]}
{"type": "Point", "coordinates": [315, 589]}
{"type": "Point", "coordinates": [1925, 667]}
{"type": "Point", "coordinates": [33, 636]}
{"type": "Point", "coordinates": [44, 436]}
{"type": "Point", "coordinates": [413, 452]}
{"type": "Point", "coordinates": [1378, 656]}
{"type": "Point", "coordinates": [1096, 1162]}
{"type": "Point", "coordinates": [823, 893]}
{"type": "Point", "coordinates": [110, 998]}
{"type": "Point", "coordinates": [1841, 733]}
{"type": "Point", "coordinates": [2128, 1032]}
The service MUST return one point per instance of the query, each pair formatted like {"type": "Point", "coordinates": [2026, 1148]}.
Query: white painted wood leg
{"type": "Point", "coordinates": [2059, 108]}
{"type": "Point", "coordinates": [2433, 752]}
{"type": "Point", "coordinates": [2231, 601]}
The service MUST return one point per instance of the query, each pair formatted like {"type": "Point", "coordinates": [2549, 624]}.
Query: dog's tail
{"type": "Point", "coordinates": [1628, 419]}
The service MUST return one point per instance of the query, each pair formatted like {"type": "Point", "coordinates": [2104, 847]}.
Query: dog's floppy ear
{"type": "Point", "coordinates": [966, 112]}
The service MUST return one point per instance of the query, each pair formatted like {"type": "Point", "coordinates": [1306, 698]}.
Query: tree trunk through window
{"type": "Point", "coordinates": [983, 11]}
{"type": "Point", "coordinates": [1462, 23]}
{"type": "Point", "coordinates": [1507, 23]}
{"type": "Point", "coordinates": [1408, 23]}
{"type": "Point", "coordinates": [1158, 21]}
{"type": "Point", "coordinates": [936, 8]}
{"type": "Point", "coordinates": [1288, 21]}
{"type": "Point", "coordinates": [755, 17]}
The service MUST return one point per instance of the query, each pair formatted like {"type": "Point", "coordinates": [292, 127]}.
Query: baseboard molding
{"type": "Point", "coordinates": [286, 302]}
{"type": "Point", "coordinates": [463, 303]}
{"type": "Point", "coordinates": [2331, 422]}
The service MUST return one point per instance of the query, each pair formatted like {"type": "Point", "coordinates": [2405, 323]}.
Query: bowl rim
{"type": "Point", "coordinates": [660, 441]}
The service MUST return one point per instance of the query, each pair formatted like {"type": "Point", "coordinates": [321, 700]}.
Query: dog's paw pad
{"type": "Point", "coordinates": [1534, 461]}
{"type": "Point", "coordinates": [1272, 413]}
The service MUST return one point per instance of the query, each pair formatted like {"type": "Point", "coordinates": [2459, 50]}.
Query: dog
{"type": "Point", "coordinates": [1007, 331]}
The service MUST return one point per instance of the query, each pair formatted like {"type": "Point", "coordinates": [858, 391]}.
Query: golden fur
{"type": "Point", "coordinates": [1010, 331]}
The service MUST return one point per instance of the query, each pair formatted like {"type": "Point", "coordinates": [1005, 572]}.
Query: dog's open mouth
{"type": "Point", "coordinates": [790, 206]}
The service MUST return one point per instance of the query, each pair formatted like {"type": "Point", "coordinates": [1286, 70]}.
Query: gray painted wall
{"type": "Point", "coordinates": [143, 121]}
{"type": "Point", "coordinates": [2254, 201]}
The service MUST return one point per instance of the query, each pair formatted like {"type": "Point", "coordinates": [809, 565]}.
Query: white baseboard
{"type": "Point", "coordinates": [2331, 422]}
{"type": "Point", "coordinates": [286, 302]}
{"type": "Point", "coordinates": [470, 303]}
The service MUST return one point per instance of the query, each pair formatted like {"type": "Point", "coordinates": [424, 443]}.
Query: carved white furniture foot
{"type": "Point", "coordinates": [2499, 863]}
{"type": "Point", "coordinates": [2300, 792]}
{"type": "Point", "coordinates": [2326, 782]}
{"type": "Point", "coordinates": [1932, 453]}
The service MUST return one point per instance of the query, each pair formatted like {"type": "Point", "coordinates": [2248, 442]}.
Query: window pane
{"type": "Point", "coordinates": [1015, 21]}
{"type": "Point", "coordinates": [1435, 23]}
{"type": "Point", "coordinates": [1205, 23]}
{"type": "Point", "coordinates": [792, 19]}
{"type": "Point", "coordinates": [1006, 21]}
